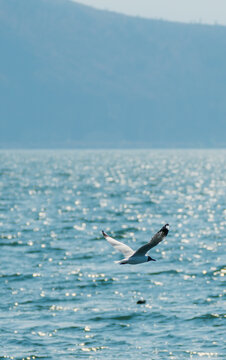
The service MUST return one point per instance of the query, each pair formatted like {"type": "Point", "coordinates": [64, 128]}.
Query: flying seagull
{"type": "Point", "coordinates": [139, 256]}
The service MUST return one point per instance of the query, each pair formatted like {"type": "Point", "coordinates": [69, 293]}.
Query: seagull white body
{"type": "Point", "coordinates": [139, 256]}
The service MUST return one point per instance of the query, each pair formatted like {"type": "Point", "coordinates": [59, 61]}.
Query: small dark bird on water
{"type": "Point", "coordinates": [141, 301]}
{"type": "Point", "coordinates": [139, 256]}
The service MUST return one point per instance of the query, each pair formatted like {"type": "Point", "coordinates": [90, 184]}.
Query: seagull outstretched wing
{"type": "Point", "coordinates": [155, 240]}
{"type": "Point", "coordinates": [124, 249]}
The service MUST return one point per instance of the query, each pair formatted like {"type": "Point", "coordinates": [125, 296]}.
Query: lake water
{"type": "Point", "coordinates": [62, 295]}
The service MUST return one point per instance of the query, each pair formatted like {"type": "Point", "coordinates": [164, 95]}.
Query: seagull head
{"type": "Point", "coordinates": [165, 229]}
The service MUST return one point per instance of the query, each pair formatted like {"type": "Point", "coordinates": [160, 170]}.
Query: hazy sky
{"type": "Point", "coordinates": [204, 11]}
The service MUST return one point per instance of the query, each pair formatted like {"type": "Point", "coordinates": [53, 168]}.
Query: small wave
{"type": "Point", "coordinates": [67, 227]}
{"type": "Point", "coordinates": [115, 317]}
{"type": "Point", "coordinates": [13, 244]}
{"type": "Point", "coordinates": [95, 283]}
{"type": "Point", "coordinates": [63, 174]}
{"type": "Point", "coordinates": [172, 272]}
{"type": "Point", "coordinates": [135, 315]}
{"type": "Point", "coordinates": [31, 356]}
{"type": "Point", "coordinates": [125, 317]}
{"type": "Point", "coordinates": [208, 316]}
{"type": "Point", "coordinates": [17, 276]}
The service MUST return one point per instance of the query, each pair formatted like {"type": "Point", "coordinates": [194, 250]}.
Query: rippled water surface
{"type": "Point", "coordinates": [62, 295]}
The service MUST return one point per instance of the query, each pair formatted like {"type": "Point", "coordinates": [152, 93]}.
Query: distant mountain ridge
{"type": "Point", "coordinates": [73, 76]}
